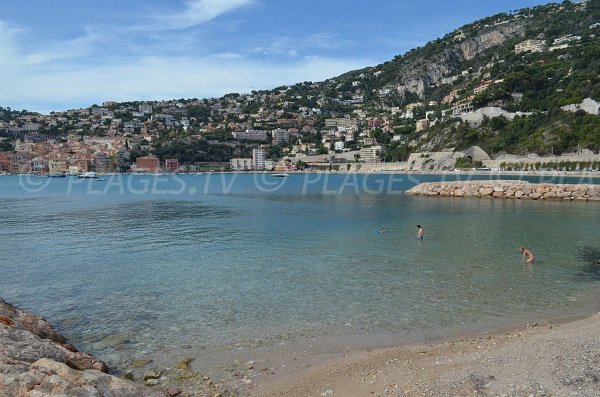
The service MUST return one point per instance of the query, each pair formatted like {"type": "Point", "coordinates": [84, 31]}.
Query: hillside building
{"type": "Point", "coordinates": [422, 124]}
{"type": "Point", "coordinates": [280, 136]}
{"type": "Point", "coordinates": [530, 46]}
{"type": "Point", "coordinates": [250, 135]}
{"type": "Point", "coordinates": [371, 154]}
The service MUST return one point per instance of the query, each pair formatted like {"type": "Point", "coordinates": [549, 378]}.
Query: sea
{"type": "Point", "coordinates": [156, 266]}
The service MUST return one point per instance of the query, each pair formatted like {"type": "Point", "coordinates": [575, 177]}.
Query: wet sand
{"type": "Point", "coordinates": [545, 359]}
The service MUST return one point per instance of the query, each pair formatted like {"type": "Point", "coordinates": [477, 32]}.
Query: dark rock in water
{"type": "Point", "coordinates": [70, 347]}
{"type": "Point", "coordinates": [152, 374]}
{"type": "Point", "coordinates": [152, 382]}
{"type": "Point", "coordinates": [591, 266]}
{"type": "Point", "coordinates": [34, 361]}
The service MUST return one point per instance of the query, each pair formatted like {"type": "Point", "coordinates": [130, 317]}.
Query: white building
{"type": "Point", "coordinates": [530, 46]}
{"type": "Point", "coordinates": [371, 154]}
{"type": "Point", "coordinates": [422, 124]}
{"type": "Point", "coordinates": [145, 108]}
{"type": "Point", "coordinates": [339, 145]}
{"type": "Point", "coordinates": [462, 107]}
{"type": "Point", "coordinates": [258, 158]}
{"type": "Point", "coordinates": [240, 164]}
{"type": "Point", "coordinates": [399, 138]}
{"type": "Point", "coordinates": [250, 135]}
{"type": "Point", "coordinates": [280, 136]}
{"type": "Point", "coordinates": [347, 124]}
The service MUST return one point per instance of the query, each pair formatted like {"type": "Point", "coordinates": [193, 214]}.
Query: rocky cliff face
{"type": "Point", "coordinates": [421, 73]}
{"type": "Point", "coordinates": [36, 361]}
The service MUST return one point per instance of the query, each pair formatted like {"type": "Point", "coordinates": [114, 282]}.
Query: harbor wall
{"type": "Point", "coordinates": [520, 190]}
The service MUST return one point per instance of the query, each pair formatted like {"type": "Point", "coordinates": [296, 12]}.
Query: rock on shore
{"type": "Point", "coordinates": [36, 361]}
{"type": "Point", "coordinates": [521, 190]}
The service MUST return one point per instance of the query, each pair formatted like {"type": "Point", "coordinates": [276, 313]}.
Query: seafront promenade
{"type": "Point", "coordinates": [519, 190]}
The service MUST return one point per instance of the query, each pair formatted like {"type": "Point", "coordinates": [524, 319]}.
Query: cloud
{"type": "Point", "coordinates": [8, 48]}
{"type": "Point", "coordinates": [196, 12]}
{"type": "Point", "coordinates": [292, 47]}
{"type": "Point", "coordinates": [104, 64]}
{"type": "Point", "coordinates": [154, 78]}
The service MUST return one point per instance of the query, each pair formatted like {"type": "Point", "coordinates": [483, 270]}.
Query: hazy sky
{"type": "Point", "coordinates": [57, 55]}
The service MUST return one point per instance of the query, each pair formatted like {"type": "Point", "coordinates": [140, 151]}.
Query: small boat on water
{"type": "Point", "coordinates": [280, 175]}
{"type": "Point", "coordinates": [57, 175]}
{"type": "Point", "coordinates": [88, 175]}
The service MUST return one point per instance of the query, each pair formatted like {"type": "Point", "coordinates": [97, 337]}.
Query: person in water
{"type": "Point", "coordinates": [382, 231]}
{"type": "Point", "coordinates": [420, 232]}
{"type": "Point", "coordinates": [527, 255]}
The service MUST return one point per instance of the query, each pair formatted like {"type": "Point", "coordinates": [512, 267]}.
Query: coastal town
{"type": "Point", "coordinates": [362, 121]}
{"type": "Point", "coordinates": [419, 224]}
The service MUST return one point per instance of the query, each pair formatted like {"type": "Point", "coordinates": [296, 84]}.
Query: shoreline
{"type": "Point", "coordinates": [485, 359]}
{"type": "Point", "coordinates": [573, 174]}
{"type": "Point", "coordinates": [508, 360]}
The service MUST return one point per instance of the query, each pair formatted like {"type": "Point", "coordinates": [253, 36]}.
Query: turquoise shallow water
{"type": "Point", "coordinates": [144, 264]}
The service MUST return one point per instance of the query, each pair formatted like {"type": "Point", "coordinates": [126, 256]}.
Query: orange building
{"type": "Point", "coordinates": [147, 164]}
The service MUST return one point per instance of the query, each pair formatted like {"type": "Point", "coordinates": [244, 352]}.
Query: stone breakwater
{"type": "Point", "coordinates": [35, 360]}
{"type": "Point", "coordinates": [520, 190]}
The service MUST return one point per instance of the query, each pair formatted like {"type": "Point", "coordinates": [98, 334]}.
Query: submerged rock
{"type": "Point", "coordinates": [185, 363]}
{"type": "Point", "coordinates": [140, 363]}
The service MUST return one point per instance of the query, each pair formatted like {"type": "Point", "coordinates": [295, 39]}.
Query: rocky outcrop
{"type": "Point", "coordinates": [36, 361]}
{"type": "Point", "coordinates": [521, 190]}
{"type": "Point", "coordinates": [418, 74]}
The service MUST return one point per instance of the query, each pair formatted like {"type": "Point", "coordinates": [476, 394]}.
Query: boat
{"type": "Point", "coordinates": [57, 175]}
{"type": "Point", "coordinates": [88, 175]}
{"type": "Point", "coordinates": [280, 175]}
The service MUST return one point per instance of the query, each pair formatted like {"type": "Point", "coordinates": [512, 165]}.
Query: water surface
{"type": "Point", "coordinates": [145, 265]}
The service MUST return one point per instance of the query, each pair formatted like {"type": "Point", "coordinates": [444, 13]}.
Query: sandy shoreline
{"type": "Point", "coordinates": [542, 359]}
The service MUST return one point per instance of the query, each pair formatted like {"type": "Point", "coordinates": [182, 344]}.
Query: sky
{"type": "Point", "coordinates": [67, 54]}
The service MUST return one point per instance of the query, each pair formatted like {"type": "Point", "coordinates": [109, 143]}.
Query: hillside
{"type": "Point", "coordinates": [510, 83]}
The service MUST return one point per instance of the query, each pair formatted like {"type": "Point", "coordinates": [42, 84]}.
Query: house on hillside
{"type": "Point", "coordinates": [530, 46]}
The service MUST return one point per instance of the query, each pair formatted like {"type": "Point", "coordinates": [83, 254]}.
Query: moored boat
{"type": "Point", "coordinates": [88, 175]}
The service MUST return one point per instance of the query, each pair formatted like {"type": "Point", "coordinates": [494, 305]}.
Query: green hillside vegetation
{"type": "Point", "coordinates": [540, 83]}
{"type": "Point", "coordinates": [536, 83]}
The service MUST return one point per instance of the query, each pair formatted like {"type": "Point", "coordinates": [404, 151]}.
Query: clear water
{"type": "Point", "coordinates": [145, 265]}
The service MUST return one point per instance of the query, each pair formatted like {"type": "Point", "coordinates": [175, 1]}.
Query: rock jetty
{"type": "Point", "coordinates": [35, 360]}
{"type": "Point", "coordinates": [520, 190]}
